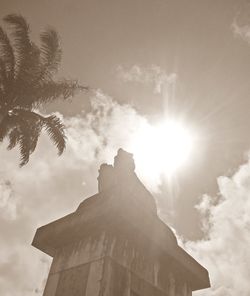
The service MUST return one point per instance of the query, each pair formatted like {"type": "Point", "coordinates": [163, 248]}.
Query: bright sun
{"type": "Point", "coordinates": [163, 148]}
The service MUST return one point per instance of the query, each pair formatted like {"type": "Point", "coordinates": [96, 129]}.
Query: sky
{"type": "Point", "coordinates": [147, 60]}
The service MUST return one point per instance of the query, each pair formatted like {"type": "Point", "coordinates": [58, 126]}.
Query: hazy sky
{"type": "Point", "coordinates": [148, 58]}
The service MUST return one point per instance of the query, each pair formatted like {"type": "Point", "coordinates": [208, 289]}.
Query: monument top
{"type": "Point", "coordinates": [121, 177]}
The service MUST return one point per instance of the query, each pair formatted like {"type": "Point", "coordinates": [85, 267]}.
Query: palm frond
{"type": "Point", "coordinates": [3, 78]}
{"type": "Point", "coordinates": [24, 144]}
{"type": "Point", "coordinates": [5, 126]}
{"type": "Point", "coordinates": [25, 116]}
{"type": "Point", "coordinates": [7, 54]}
{"type": "Point", "coordinates": [20, 35]}
{"type": "Point", "coordinates": [34, 133]}
{"type": "Point", "coordinates": [52, 90]}
{"type": "Point", "coordinates": [27, 130]}
{"type": "Point", "coordinates": [37, 94]}
{"type": "Point", "coordinates": [51, 52]}
{"type": "Point", "coordinates": [27, 54]}
{"type": "Point", "coordinates": [16, 134]}
{"type": "Point", "coordinates": [14, 137]}
{"type": "Point", "coordinates": [27, 78]}
{"type": "Point", "coordinates": [55, 130]}
{"type": "Point", "coordinates": [32, 124]}
{"type": "Point", "coordinates": [17, 20]}
{"type": "Point", "coordinates": [2, 102]}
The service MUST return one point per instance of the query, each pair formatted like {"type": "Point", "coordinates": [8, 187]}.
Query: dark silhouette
{"type": "Point", "coordinates": [26, 81]}
{"type": "Point", "coordinates": [115, 244]}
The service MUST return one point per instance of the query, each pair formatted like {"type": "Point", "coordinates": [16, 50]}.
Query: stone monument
{"type": "Point", "coordinates": [114, 244]}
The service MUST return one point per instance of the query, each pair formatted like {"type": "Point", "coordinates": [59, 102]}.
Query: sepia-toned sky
{"type": "Point", "coordinates": [147, 59]}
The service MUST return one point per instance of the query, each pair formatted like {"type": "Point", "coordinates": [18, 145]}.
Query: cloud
{"type": "Point", "coordinates": [241, 23]}
{"type": "Point", "coordinates": [154, 75]}
{"type": "Point", "coordinates": [226, 222]}
{"type": "Point", "coordinates": [49, 187]}
{"type": "Point", "coordinates": [8, 200]}
{"type": "Point", "coordinates": [98, 135]}
{"type": "Point", "coordinates": [23, 272]}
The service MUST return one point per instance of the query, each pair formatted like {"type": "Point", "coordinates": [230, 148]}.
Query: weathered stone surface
{"type": "Point", "coordinates": [106, 177]}
{"type": "Point", "coordinates": [116, 279]}
{"type": "Point", "coordinates": [51, 285]}
{"type": "Point", "coordinates": [79, 252]}
{"type": "Point", "coordinates": [95, 278]}
{"type": "Point", "coordinates": [141, 287]}
{"type": "Point", "coordinates": [73, 281]}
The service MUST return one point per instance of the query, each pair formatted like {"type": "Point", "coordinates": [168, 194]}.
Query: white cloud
{"type": "Point", "coordinates": [241, 23]}
{"type": "Point", "coordinates": [8, 200]}
{"type": "Point", "coordinates": [161, 81]}
{"type": "Point", "coordinates": [225, 251]}
{"type": "Point", "coordinates": [23, 272]}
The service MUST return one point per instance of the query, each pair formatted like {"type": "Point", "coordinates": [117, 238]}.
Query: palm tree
{"type": "Point", "coordinates": [26, 82]}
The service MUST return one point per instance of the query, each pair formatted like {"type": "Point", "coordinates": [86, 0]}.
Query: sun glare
{"type": "Point", "coordinates": [163, 148]}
